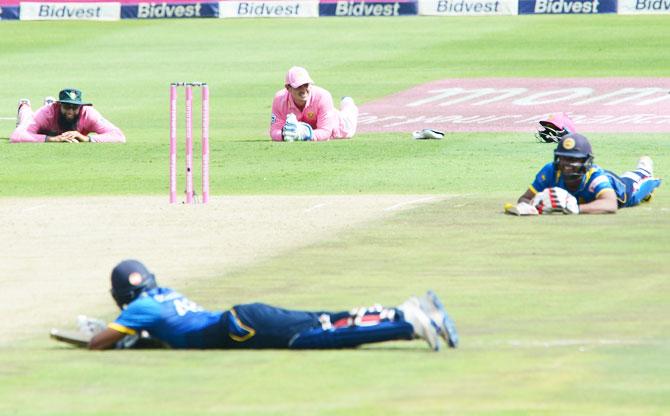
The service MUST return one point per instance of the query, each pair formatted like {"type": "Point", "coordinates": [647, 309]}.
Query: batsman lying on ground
{"type": "Point", "coordinates": [161, 314]}
{"type": "Point", "coordinates": [572, 184]}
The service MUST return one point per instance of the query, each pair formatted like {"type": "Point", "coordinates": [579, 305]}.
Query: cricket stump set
{"type": "Point", "coordinates": [188, 91]}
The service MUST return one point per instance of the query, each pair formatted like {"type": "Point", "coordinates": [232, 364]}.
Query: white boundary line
{"type": "Point", "coordinates": [34, 208]}
{"type": "Point", "coordinates": [7, 118]}
{"type": "Point", "coordinates": [317, 206]}
{"type": "Point", "coordinates": [416, 201]}
{"type": "Point", "coordinates": [561, 343]}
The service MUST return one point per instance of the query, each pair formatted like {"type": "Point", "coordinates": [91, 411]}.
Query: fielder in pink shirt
{"type": "Point", "coordinates": [302, 111]}
{"type": "Point", "coordinates": [68, 120]}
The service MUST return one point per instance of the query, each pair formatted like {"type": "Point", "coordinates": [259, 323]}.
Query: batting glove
{"type": "Point", "coordinates": [521, 209]}
{"type": "Point", "coordinates": [555, 200]}
{"type": "Point", "coordinates": [90, 326]}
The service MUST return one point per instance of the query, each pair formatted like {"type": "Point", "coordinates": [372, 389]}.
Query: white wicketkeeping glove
{"type": "Point", "coordinates": [555, 200]}
{"type": "Point", "coordinates": [90, 326]}
{"type": "Point", "coordinates": [305, 132]}
{"type": "Point", "coordinates": [296, 130]}
{"type": "Point", "coordinates": [290, 129]}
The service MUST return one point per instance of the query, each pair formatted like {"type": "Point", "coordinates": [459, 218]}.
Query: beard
{"type": "Point", "coordinates": [67, 125]}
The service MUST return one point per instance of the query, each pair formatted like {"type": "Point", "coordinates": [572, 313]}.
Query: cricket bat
{"type": "Point", "coordinates": [521, 209]}
{"type": "Point", "coordinates": [76, 338]}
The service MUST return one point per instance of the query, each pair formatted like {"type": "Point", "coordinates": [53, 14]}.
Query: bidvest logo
{"type": "Point", "coordinates": [567, 6]}
{"type": "Point", "coordinates": [161, 10]}
{"type": "Point", "coordinates": [67, 12]}
{"type": "Point", "coordinates": [352, 8]}
{"type": "Point", "coordinates": [262, 9]}
{"type": "Point", "coordinates": [462, 6]}
{"type": "Point", "coordinates": [653, 5]}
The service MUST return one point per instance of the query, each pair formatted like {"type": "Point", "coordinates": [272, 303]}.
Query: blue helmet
{"type": "Point", "coordinates": [129, 279]}
{"type": "Point", "coordinates": [574, 146]}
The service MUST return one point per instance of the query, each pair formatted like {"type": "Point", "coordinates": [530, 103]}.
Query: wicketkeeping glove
{"type": "Point", "coordinates": [305, 132]}
{"type": "Point", "coordinates": [555, 200]}
{"type": "Point", "coordinates": [295, 130]}
{"type": "Point", "coordinates": [290, 129]}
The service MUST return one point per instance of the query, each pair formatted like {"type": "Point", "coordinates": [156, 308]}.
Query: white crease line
{"type": "Point", "coordinates": [573, 343]}
{"type": "Point", "coordinates": [34, 208]}
{"type": "Point", "coordinates": [7, 118]}
{"type": "Point", "coordinates": [314, 207]}
{"type": "Point", "coordinates": [402, 204]}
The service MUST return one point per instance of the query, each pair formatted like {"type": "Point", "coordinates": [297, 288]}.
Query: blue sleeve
{"type": "Point", "coordinates": [544, 178]}
{"type": "Point", "coordinates": [143, 313]}
{"type": "Point", "coordinates": [598, 182]}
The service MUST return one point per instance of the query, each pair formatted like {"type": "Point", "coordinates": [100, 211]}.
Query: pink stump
{"type": "Point", "coordinates": [205, 143]}
{"type": "Point", "coordinates": [173, 143]}
{"type": "Point", "coordinates": [189, 144]}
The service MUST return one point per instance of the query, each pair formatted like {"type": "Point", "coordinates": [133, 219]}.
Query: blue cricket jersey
{"type": "Point", "coordinates": [172, 318]}
{"type": "Point", "coordinates": [169, 316]}
{"type": "Point", "coordinates": [594, 182]}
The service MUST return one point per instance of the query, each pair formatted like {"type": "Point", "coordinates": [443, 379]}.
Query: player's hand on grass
{"type": "Point", "coordinates": [522, 208]}
{"type": "Point", "coordinates": [555, 200]}
{"type": "Point", "coordinates": [76, 136]}
{"type": "Point", "coordinates": [295, 130]}
{"type": "Point", "coordinates": [60, 139]}
{"type": "Point", "coordinates": [90, 326]}
{"type": "Point", "coordinates": [290, 133]}
{"type": "Point", "coordinates": [305, 132]}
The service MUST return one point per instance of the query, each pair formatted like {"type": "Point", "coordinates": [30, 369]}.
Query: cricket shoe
{"type": "Point", "coordinates": [645, 164]}
{"type": "Point", "coordinates": [424, 327]}
{"type": "Point", "coordinates": [22, 102]}
{"type": "Point", "coordinates": [345, 101]}
{"type": "Point", "coordinates": [427, 134]}
{"type": "Point", "coordinates": [434, 308]}
{"type": "Point", "coordinates": [49, 100]}
{"type": "Point", "coordinates": [649, 197]}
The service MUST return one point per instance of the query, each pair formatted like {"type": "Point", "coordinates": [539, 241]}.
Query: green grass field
{"type": "Point", "coordinates": [558, 315]}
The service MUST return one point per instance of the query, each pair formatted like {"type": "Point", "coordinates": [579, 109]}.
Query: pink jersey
{"type": "Point", "coordinates": [319, 112]}
{"type": "Point", "coordinates": [34, 127]}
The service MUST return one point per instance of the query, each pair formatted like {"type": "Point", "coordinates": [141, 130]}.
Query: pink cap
{"type": "Point", "coordinates": [297, 76]}
{"type": "Point", "coordinates": [562, 121]}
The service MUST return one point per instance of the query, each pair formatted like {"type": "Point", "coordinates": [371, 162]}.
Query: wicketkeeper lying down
{"type": "Point", "coordinates": [170, 317]}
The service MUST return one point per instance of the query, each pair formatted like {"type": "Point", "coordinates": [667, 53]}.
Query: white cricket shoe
{"type": "Point", "coordinates": [345, 101]}
{"type": "Point", "coordinates": [428, 134]}
{"type": "Point", "coordinates": [424, 327]}
{"type": "Point", "coordinates": [646, 164]}
{"type": "Point", "coordinates": [22, 102]}
{"type": "Point", "coordinates": [49, 100]}
{"type": "Point", "coordinates": [434, 308]}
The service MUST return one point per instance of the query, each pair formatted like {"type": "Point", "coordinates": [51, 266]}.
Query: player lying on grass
{"type": "Point", "coordinates": [68, 120]}
{"type": "Point", "coordinates": [180, 323]}
{"type": "Point", "coordinates": [302, 111]}
{"type": "Point", "coordinates": [572, 184]}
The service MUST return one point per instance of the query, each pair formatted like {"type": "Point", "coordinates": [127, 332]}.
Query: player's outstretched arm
{"type": "Point", "coordinates": [526, 197]}
{"type": "Point", "coordinates": [106, 339]}
{"type": "Point", "coordinates": [605, 203]}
